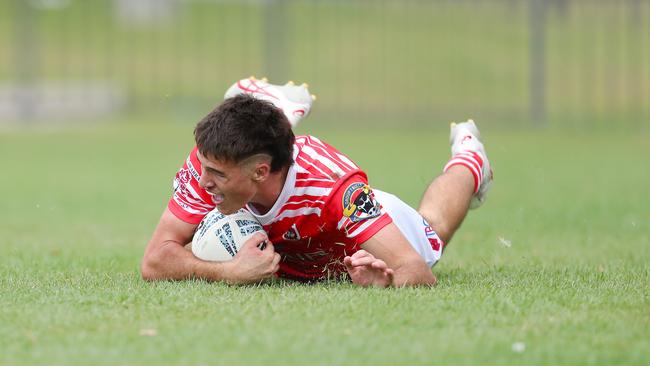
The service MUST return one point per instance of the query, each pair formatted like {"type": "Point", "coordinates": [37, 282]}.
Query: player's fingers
{"type": "Point", "coordinates": [379, 264]}
{"type": "Point", "coordinates": [260, 236]}
{"type": "Point", "coordinates": [347, 261]}
{"type": "Point", "coordinates": [365, 261]}
{"type": "Point", "coordinates": [390, 274]}
{"type": "Point", "coordinates": [255, 239]}
{"type": "Point", "coordinates": [268, 246]}
{"type": "Point", "coordinates": [360, 254]}
{"type": "Point", "coordinates": [276, 259]}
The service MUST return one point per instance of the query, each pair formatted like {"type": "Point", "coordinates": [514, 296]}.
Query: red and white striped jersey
{"type": "Point", "coordinates": [325, 211]}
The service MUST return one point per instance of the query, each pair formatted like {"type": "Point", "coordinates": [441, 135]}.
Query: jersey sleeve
{"type": "Point", "coordinates": [355, 209]}
{"type": "Point", "coordinates": [190, 202]}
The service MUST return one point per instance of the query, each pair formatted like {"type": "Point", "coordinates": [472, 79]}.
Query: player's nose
{"type": "Point", "coordinates": [205, 183]}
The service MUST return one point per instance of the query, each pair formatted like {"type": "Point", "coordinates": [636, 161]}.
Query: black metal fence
{"type": "Point", "coordinates": [523, 63]}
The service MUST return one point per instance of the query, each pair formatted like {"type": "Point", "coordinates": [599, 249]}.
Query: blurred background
{"type": "Point", "coordinates": [98, 100]}
{"type": "Point", "coordinates": [506, 63]}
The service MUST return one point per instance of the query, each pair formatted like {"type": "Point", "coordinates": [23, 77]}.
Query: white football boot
{"type": "Point", "coordinates": [294, 100]}
{"type": "Point", "coordinates": [466, 137]}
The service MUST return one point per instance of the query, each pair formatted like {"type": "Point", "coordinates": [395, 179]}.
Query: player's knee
{"type": "Point", "coordinates": [429, 215]}
{"type": "Point", "coordinates": [437, 223]}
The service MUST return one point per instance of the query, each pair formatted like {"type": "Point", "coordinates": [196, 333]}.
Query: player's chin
{"type": "Point", "coordinates": [227, 209]}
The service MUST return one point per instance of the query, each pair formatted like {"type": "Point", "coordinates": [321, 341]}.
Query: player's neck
{"type": "Point", "coordinates": [269, 191]}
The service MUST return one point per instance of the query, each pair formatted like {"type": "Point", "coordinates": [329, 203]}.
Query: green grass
{"type": "Point", "coordinates": [80, 203]}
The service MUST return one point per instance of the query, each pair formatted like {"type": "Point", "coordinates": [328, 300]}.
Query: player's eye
{"type": "Point", "coordinates": [218, 174]}
{"type": "Point", "coordinates": [215, 173]}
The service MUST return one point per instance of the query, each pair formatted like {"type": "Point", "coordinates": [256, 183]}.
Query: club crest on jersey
{"type": "Point", "coordinates": [182, 178]}
{"type": "Point", "coordinates": [359, 202]}
{"type": "Point", "coordinates": [292, 234]}
{"type": "Point", "coordinates": [183, 175]}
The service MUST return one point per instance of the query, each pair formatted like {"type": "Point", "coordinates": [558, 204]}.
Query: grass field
{"type": "Point", "coordinates": [554, 269]}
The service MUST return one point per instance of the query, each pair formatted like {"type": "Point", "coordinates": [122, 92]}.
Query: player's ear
{"type": "Point", "coordinates": [262, 171]}
{"type": "Point", "coordinates": [258, 167]}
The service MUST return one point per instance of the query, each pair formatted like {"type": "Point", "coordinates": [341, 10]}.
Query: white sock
{"type": "Point", "coordinates": [472, 161]}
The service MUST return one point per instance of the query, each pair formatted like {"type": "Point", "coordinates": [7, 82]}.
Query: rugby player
{"type": "Point", "coordinates": [321, 216]}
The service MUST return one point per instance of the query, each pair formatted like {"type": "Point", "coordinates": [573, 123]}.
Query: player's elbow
{"type": "Point", "coordinates": [414, 281]}
{"type": "Point", "coordinates": [147, 270]}
{"type": "Point", "coordinates": [414, 272]}
{"type": "Point", "coordinates": [150, 266]}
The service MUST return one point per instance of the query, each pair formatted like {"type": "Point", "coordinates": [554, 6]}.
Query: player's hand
{"type": "Point", "coordinates": [255, 261]}
{"type": "Point", "coordinates": [366, 270]}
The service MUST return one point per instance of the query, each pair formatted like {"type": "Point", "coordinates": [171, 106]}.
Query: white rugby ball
{"type": "Point", "coordinates": [219, 237]}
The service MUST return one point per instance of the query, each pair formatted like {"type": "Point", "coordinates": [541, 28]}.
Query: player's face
{"type": "Point", "coordinates": [231, 185]}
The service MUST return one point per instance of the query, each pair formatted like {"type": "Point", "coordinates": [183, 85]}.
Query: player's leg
{"type": "Point", "coordinates": [463, 184]}
{"type": "Point", "coordinates": [446, 201]}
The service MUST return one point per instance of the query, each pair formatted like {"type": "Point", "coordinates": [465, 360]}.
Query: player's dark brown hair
{"type": "Point", "coordinates": [244, 126]}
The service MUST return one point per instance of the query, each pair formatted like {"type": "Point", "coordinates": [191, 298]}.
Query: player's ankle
{"type": "Point", "coordinates": [470, 161]}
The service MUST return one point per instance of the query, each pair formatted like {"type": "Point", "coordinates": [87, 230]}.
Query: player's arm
{"type": "Point", "coordinates": [386, 257]}
{"type": "Point", "coordinates": [390, 260]}
{"type": "Point", "coordinates": [165, 257]}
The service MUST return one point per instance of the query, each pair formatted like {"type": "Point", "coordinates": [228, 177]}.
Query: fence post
{"type": "Point", "coordinates": [537, 24]}
{"type": "Point", "coordinates": [275, 39]}
{"type": "Point", "coordinates": [25, 59]}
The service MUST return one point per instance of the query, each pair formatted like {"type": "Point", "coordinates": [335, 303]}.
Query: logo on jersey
{"type": "Point", "coordinates": [359, 202]}
{"type": "Point", "coordinates": [183, 175]}
{"type": "Point", "coordinates": [292, 234]}
{"type": "Point", "coordinates": [182, 178]}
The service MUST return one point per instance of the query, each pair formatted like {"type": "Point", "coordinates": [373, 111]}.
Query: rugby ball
{"type": "Point", "coordinates": [219, 237]}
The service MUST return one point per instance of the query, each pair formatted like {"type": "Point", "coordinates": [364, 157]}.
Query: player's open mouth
{"type": "Point", "coordinates": [217, 198]}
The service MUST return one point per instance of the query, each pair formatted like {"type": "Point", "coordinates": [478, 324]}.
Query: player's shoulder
{"type": "Point", "coordinates": [316, 158]}
{"type": "Point", "coordinates": [308, 140]}
{"type": "Point", "coordinates": [311, 141]}
{"type": "Point", "coordinates": [192, 163]}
